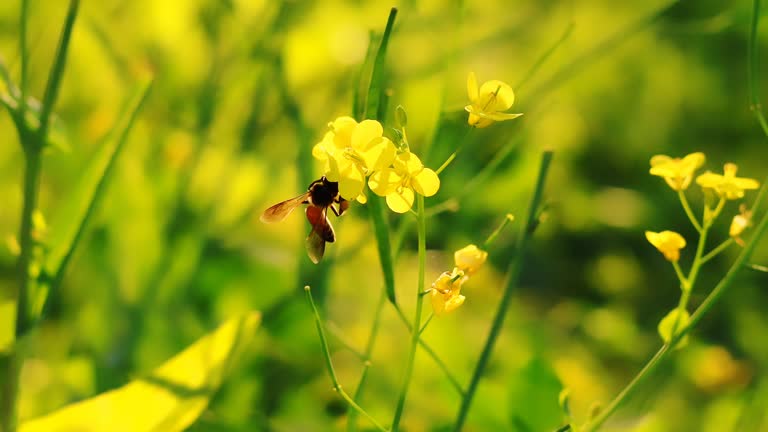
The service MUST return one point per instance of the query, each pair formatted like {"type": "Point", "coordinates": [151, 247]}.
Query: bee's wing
{"type": "Point", "coordinates": [322, 232]}
{"type": "Point", "coordinates": [279, 211]}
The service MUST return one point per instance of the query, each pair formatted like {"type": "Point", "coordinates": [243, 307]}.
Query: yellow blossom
{"type": "Point", "coordinates": [677, 172]}
{"type": "Point", "coordinates": [727, 186]}
{"type": "Point", "coordinates": [470, 258]}
{"type": "Point", "coordinates": [667, 242]}
{"type": "Point", "coordinates": [351, 151]}
{"type": "Point", "coordinates": [488, 102]}
{"type": "Point", "coordinates": [399, 182]}
{"type": "Point", "coordinates": [740, 222]}
{"type": "Point", "coordinates": [446, 291]}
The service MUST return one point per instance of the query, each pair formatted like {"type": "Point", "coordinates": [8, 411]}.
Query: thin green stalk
{"type": "Point", "coordinates": [687, 208]}
{"type": "Point", "coordinates": [716, 251]}
{"type": "Point", "coordinates": [57, 72]}
{"type": "Point", "coordinates": [697, 316]}
{"type": "Point", "coordinates": [24, 55]}
{"type": "Point", "coordinates": [545, 56]}
{"type": "Point", "coordinates": [427, 321]}
{"type": "Point", "coordinates": [421, 228]}
{"type": "Point", "coordinates": [754, 70]}
{"type": "Point", "coordinates": [440, 363]}
{"type": "Point", "coordinates": [329, 364]}
{"type": "Point", "coordinates": [513, 274]}
{"type": "Point", "coordinates": [491, 238]}
{"type": "Point", "coordinates": [453, 155]}
{"type": "Point", "coordinates": [372, 336]}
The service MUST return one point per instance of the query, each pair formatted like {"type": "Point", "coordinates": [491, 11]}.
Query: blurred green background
{"type": "Point", "coordinates": [242, 91]}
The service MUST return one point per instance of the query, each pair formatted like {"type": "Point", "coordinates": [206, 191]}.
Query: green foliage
{"type": "Point", "coordinates": [533, 398]}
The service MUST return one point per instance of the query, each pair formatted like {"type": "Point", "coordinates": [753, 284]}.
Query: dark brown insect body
{"type": "Point", "coordinates": [320, 196]}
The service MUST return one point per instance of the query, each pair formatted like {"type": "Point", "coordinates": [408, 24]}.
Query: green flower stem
{"type": "Point", "coordinates": [687, 208]}
{"type": "Point", "coordinates": [754, 71]}
{"type": "Point", "coordinates": [680, 275]}
{"type": "Point", "coordinates": [373, 335]}
{"type": "Point", "coordinates": [32, 142]}
{"type": "Point", "coordinates": [716, 251]}
{"type": "Point", "coordinates": [329, 364]}
{"type": "Point", "coordinates": [545, 56]}
{"type": "Point", "coordinates": [421, 228]}
{"type": "Point", "coordinates": [456, 152]}
{"type": "Point", "coordinates": [24, 55]}
{"type": "Point", "coordinates": [491, 238]}
{"type": "Point", "coordinates": [741, 261]}
{"type": "Point", "coordinates": [513, 274]}
{"type": "Point", "coordinates": [427, 321]}
{"type": "Point", "coordinates": [440, 363]}
{"type": "Point", "coordinates": [696, 317]}
{"type": "Point", "coordinates": [342, 339]}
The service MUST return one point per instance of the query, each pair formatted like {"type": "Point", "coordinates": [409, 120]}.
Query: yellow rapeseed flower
{"type": "Point", "coordinates": [488, 102]}
{"type": "Point", "coordinates": [740, 222]}
{"type": "Point", "coordinates": [351, 151]}
{"type": "Point", "coordinates": [667, 242]}
{"type": "Point", "coordinates": [446, 291]}
{"type": "Point", "coordinates": [677, 172]}
{"type": "Point", "coordinates": [470, 258]}
{"type": "Point", "coordinates": [727, 186]}
{"type": "Point", "coordinates": [399, 182]}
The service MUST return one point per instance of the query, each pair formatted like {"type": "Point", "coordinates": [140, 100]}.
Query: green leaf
{"type": "Point", "coordinates": [373, 107]}
{"type": "Point", "coordinates": [70, 222]}
{"type": "Point", "coordinates": [533, 398]}
{"type": "Point", "coordinates": [672, 324]}
{"type": "Point", "coordinates": [169, 399]}
{"type": "Point", "coordinates": [376, 88]}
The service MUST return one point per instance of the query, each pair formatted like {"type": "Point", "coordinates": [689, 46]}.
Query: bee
{"type": "Point", "coordinates": [320, 196]}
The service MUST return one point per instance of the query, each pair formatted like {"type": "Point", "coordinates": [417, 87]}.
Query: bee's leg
{"type": "Point", "coordinates": [336, 212]}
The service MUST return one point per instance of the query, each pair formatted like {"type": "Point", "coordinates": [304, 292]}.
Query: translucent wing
{"type": "Point", "coordinates": [279, 211]}
{"type": "Point", "coordinates": [322, 232]}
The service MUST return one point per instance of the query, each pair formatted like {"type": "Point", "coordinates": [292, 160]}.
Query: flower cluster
{"type": "Point", "coordinates": [718, 189]}
{"type": "Point", "coordinates": [446, 290]}
{"type": "Point", "coordinates": [679, 174]}
{"type": "Point", "coordinates": [353, 152]}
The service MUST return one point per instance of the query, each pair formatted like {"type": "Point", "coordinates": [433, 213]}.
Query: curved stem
{"type": "Point", "coordinates": [687, 208]}
{"type": "Point", "coordinates": [421, 230]}
{"type": "Point", "coordinates": [513, 273]}
{"type": "Point", "coordinates": [329, 363]}
{"type": "Point", "coordinates": [352, 413]}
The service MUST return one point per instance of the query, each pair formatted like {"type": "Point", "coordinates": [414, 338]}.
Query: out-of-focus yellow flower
{"type": "Point", "coordinates": [399, 182]}
{"type": "Point", "coordinates": [470, 258]}
{"type": "Point", "coordinates": [727, 186]}
{"type": "Point", "coordinates": [667, 242]}
{"type": "Point", "coordinates": [39, 226]}
{"type": "Point", "coordinates": [677, 172]}
{"type": "Point", "coordinates": [446, 291]}
{"type": "Point", "coordinates": [740, 222]}
{"type": "Point", "coordinates": [13, 245]}
{"type": "Point", "coordinates": [488, 102]}
{"type": "Point", "coordinates": [351, 151]}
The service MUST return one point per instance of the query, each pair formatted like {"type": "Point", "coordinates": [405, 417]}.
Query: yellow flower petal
{"type": "Point", "coordinates": [495, 96]}
{"type": "Point", "coordinates": [470, 258]}
{"type": "Point", "coordinates": [677, 172]}
{"type": "Point", "coordinates": [727, 186]}
{"type": "Point", "coordinates": [351, 183]}
{"type": "Point", "coordinates": [384, 181]}
{"type": "Point", "coordinates": [668, 243]}
{"type": "Point", "coordinates": [401, 200]}
{"type": "Point", "coordinates": [472, 87]}
{"type": "Point", "coordinates": [426, 182]}
{"type": "Point", "coordinates": [378, 153]}
{"type": "Point", "coordinates": [365, 132]}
